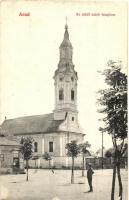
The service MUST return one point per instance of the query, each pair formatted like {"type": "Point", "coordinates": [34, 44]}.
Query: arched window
{"type": "Point", "coordinates": [36, 147]}
{"type": "Point", "coordinates": [72, 95]}
{"type": "Point", "coordinates": [61, 94]}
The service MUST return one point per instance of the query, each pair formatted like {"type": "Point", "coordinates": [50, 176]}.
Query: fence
{"type": "Point", "coordinates": [106, 162]}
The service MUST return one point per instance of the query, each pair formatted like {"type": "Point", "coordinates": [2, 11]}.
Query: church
{"type": "Point", "coordinates": [51, 132]}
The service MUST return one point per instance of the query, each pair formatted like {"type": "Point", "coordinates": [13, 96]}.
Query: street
{"type": "Point", "coordinates": [45, 185]}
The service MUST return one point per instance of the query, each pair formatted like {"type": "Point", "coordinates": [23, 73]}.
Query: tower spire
{"type": "Point", "coordinates": [66, 47]}
{"type": "Point", "coordinates": [66, 34]}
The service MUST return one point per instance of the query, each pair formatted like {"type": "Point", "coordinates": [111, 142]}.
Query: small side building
{"type": "Point", "coordinates": [10, 157]}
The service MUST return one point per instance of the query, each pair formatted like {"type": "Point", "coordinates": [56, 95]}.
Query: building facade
{"type": "Point", "coordinates": [11, 160]}
{"type": "Point", "coordinates": [51, 132]}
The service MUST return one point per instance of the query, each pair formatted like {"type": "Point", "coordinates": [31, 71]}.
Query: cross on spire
{"type": "Point", "coordinates": [66, 20]}
{"type": "Point", "coordinates": [66, 26]}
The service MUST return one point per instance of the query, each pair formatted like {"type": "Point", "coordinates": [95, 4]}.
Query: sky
{"type": "Point", "coordinates": [29, 47]}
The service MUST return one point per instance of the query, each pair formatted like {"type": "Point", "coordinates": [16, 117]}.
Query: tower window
{"type": "Point", "coordinates": [61, 94]}
{"type": "Point", "coordinates": [72, 79]}
{"type": "Point", "coordinates": [61, 78]}
{"type": "Point", "coordinates": [36, 147]}
{"type": "Point", "coordinates": [72, 118]}
{"type": "Point", "coordinates": [72, 95]}
{"type": "Point", "coordinates": [50, 146]}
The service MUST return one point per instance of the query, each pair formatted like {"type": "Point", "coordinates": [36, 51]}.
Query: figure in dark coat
{"type": "Point", "coordinates": [90, 172]}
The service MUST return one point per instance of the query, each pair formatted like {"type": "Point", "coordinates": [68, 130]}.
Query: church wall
{"type": "Point", "coordinates": [43, 140]}
{"type": "Point", "coordinates": [58, 140]}
{"type": "Point", "coordinates": [55, 138]}
{"type": "Point", "coordinates": [59, 157]}
{"type": "Point", "coordinates": [72, 136]}
{"type": "Point", "coordinates": [38, 139]}
{"type": "Point", "coordinates": [58, 162]}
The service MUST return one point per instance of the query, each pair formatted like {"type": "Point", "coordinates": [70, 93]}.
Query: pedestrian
{"type": "Point", "coordinates": [90, 172]}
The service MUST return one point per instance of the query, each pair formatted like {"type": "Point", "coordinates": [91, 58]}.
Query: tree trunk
{"type": "Point", "coordinates": [72, 175]}
{"type": "Point", "coordinates": [27, 166]}
{"type": "Point", "coordinates": [83, 164]}
{"type": "Point", "coordinates": [49, 164]}
{"type": "Point", "coordinates": [119, 181]}
{"type": "Point", "coordinates": [35, 166]}
{"type": "Point", "coordinates": [113, 181]}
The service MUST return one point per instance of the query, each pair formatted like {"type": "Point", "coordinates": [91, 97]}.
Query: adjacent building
{"type": "Point", "coordinates": [11, 160]}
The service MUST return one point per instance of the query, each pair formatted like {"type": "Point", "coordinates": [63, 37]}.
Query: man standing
{"type": "Point", "coordinates": [90, 172]}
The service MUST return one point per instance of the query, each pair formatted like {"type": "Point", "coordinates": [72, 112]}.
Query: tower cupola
{"type": "Point", "coordinates": [66, 49]}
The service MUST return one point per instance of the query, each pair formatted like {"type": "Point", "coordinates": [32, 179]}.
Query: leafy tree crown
{"type": "Point", "coordinates": [84, 147]}
{"type": "Point", "coordinates": [27, 147]}
{"type": "Point", "coordinates": [114, 101]}
{"type": "Point", "coordinates": [73, 149]}
{"type": "Point", "coordinates": [46, 156]}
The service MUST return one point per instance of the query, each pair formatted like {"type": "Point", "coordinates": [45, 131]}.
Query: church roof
{"type": "Point", "coordinates": [30, 124]}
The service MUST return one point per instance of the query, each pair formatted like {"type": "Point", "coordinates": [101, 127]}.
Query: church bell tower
{"type": "Point", "coordinates": [65, 78]}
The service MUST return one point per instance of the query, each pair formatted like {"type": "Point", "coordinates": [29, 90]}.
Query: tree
{"type": "Point", "coordinates": [73, 150]}
{"type": "Point", "coordinates": [84, 150]}
{"type": "Point", "coordinates": [48, 158]}
{"type": "Point", "coordinates": [110, 153]}
{"type": "Point", "coordinates": [114, 105]}
{"type": "Point", "coordinates": [27, 150]}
